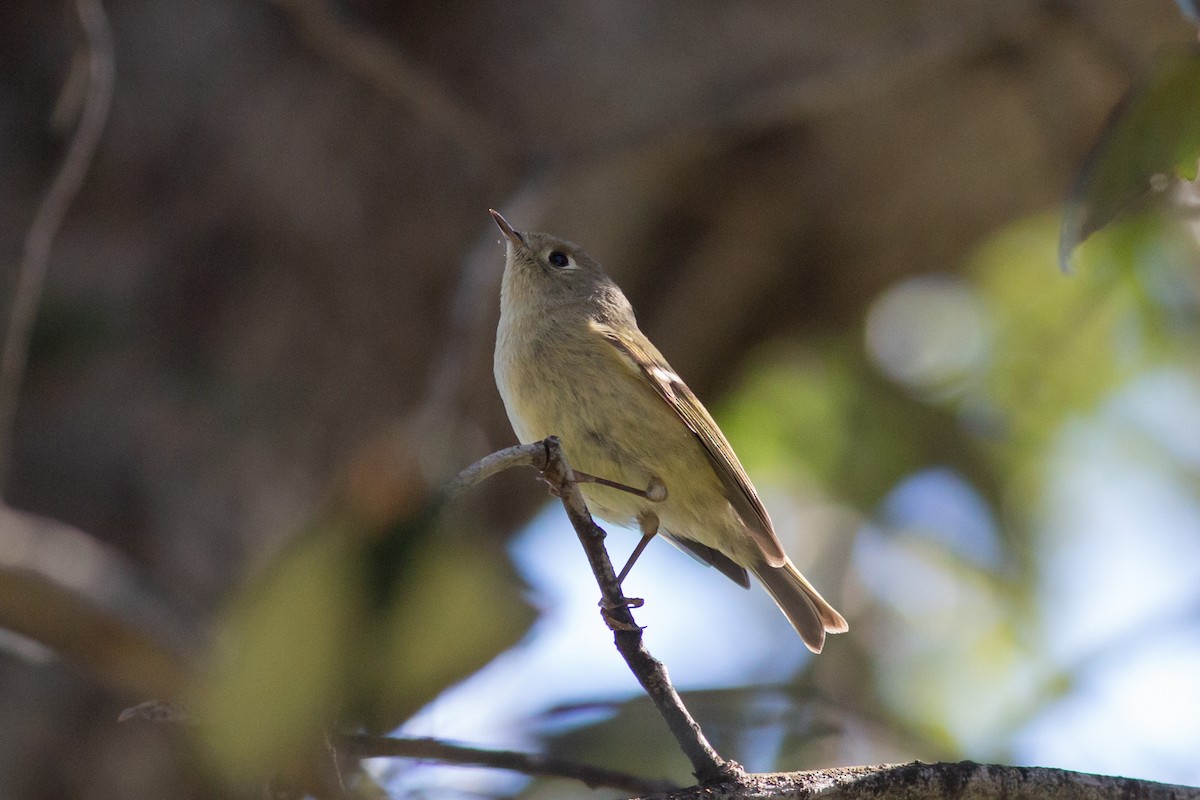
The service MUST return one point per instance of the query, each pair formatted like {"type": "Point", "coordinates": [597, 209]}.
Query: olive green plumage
{"type": "Point", "coordinates": [570, 361]}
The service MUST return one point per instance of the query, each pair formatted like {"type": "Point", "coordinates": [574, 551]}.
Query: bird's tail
{"type": "Point", "coordinates": [803, 605]}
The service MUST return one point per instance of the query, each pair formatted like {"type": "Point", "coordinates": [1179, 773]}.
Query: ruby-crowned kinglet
{"type": "Point", "coordinates": [570, 361]}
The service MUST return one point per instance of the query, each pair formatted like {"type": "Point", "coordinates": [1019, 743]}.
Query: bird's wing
{"type": "Point", "coordinates": [640, 355]}
{"type": "Point", "coordinates": [710, 557]}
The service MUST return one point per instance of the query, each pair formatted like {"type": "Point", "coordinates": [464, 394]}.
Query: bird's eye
{"type": "Point", "coordinates": [558, 259]}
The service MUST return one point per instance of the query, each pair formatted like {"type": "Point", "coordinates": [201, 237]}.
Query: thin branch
{"type": "Point", "coordinates": [359, 746]}
{"type": "Point", "coordinates": [521, 455]}
{"type": "Point", "coordinates": [707, 765]}
{"type": "Point", "coordinates": [548, 457]}
{"type": "Point", "coordinates": [31, 277]}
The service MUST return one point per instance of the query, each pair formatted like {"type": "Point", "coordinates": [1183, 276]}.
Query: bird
{"type": "Point", "coordinates": [570, 361]}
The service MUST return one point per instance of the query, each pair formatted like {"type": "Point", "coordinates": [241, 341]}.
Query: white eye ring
{"type": "Point", "coordinates": [560, 260]}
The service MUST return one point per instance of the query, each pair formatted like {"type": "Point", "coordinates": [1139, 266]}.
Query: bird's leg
{"type": "Point", "coordinates": [648, 522]}
{"type": "Point", "coordinates": [655, 491]}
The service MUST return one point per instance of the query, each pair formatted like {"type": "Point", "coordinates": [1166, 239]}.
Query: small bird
{"type": "Point", "coordinates": [570, 361]}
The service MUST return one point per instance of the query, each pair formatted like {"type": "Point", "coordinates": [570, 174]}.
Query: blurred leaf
{"type": "Point", "coordinates": [1056, 338]}
{"type": "Point", "coordinates": [788, 414]}
{"type": "Point", "coordinates": [823, 416]}
{"type": "Point", "coordinates": [459, 610]}
{"type": "Point", "coordinates": [1153, 134]}
{"type": "Point", "coordinates": [361, 622]}
{"type": "Point", "coordinates": [282, 673]}
{"type": "Point", "coordinates": [1062, 345]}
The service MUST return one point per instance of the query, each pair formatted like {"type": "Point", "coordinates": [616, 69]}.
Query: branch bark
{"type": "Point", "coordinates": [965, 780]}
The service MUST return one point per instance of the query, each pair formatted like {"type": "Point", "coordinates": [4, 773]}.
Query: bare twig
{"type": "Point", "coordinates": [526, 763]}
{"type": "Point", "coordinates": [707, 765]}
{"type": "Point", "coordinates": [360, 746]}
{"type": "Point", "coordinates": [521, 455]}
{"type": "Point", "coordinates": [63, 189]}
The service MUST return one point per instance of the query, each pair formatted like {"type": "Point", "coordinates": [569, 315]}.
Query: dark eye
{"type": "Point", "coordinates": [558, 259]}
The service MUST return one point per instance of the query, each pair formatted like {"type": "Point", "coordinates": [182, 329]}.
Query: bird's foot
{"type": "Point", "coordinates": [607, 610]}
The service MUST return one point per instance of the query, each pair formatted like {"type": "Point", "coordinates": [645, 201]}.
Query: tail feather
{"type": "Point", "coordinates": [809, 613]}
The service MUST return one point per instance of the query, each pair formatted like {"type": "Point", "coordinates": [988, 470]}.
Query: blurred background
{"type": "Point", "coordinates": [266, 336]}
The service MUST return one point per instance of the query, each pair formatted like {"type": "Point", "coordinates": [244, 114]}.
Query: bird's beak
{"type": "Point", "coordinates": [510, 233]}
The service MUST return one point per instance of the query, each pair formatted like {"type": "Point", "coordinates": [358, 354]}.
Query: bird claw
{"type": "Point", "coordinates": [615, 624]}
{"type": "Point", "coordinates": [607, 608]}
{"type": "Point", "coordinates": [624, 602]}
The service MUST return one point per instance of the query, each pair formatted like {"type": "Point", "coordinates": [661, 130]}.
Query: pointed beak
{"type": "Point", "coordinates": [510, 233]}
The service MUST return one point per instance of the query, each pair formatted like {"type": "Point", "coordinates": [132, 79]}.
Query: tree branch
{"type": "Point", "coordinates": [707, 765]}
{"type": "Point", "coordinates": [547, 456]}
{"type": "Point", "coordinates": [359, 746]}
{"type": "Point", "coordinates": [965, 780]}
{"type": "Point", "coordinates": [533, 455]}
{"type": "Point", "coordinates": [50, 214]}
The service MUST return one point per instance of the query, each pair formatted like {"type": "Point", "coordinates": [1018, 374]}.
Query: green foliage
{"type": "Point", "coordinates": [351, 628]}
{"type": "Point", "coordinates": [1154, 134]}
{"type": "Point", "coordinates": [459, 610]}
{"type": "Point", "coordinates": [1064, 345]}
{"type": "Point", "coordinates": [286, 654]}
{"type": "Point", "coordinates": [819, 417]}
